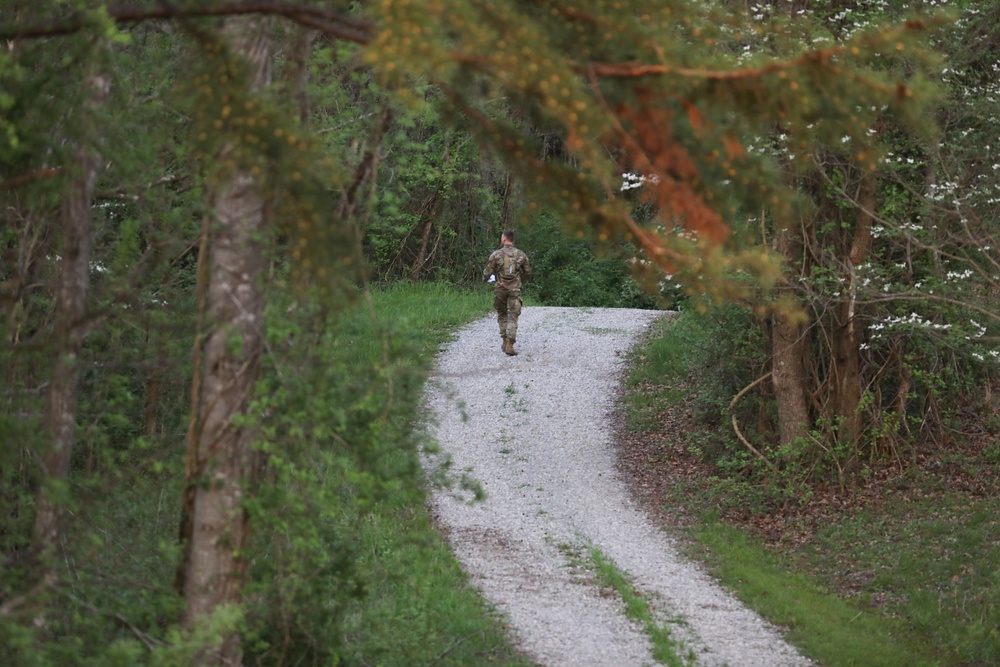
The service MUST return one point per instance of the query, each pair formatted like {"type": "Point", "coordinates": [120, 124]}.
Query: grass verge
{"type": "Point", "coordinates": [824, 626]}
{"type": "Point", "coordinates": [419, 608]}
{"type": "Point", "coordinates": [901, 572]}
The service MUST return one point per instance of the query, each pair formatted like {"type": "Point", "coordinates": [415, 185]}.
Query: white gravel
{"type": "Point", "coordinates": [534, 430]}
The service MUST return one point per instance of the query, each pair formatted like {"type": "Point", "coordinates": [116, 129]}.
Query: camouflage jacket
{"type": "Point", "coordinates": [510, 266]}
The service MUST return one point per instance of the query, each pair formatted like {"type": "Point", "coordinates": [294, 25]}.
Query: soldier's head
{"type": "Point", "coordinates": [507, 238]}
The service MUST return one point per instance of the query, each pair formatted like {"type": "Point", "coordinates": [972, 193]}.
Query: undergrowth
{"type": "Point", "coordinates": [344, 566]}
{"type": "Point", "coordinates": [393, 594]}
{"type": "Point", "coordinates": [900, 569]}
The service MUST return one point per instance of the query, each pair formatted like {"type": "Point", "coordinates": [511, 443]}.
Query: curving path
{"type": "Point", "coordinates": [534, 430]}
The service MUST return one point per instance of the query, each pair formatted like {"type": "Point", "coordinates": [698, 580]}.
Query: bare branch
{"type": "Point", "coordinates": [150, 642]}
{"type": "Point", "coordinates": [37, 175]}
{"type": "Point", "coordinates": [327, 22]}
{"type": "Point", "coordinates": [736, 426]}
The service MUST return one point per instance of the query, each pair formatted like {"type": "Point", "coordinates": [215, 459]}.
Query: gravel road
{"type": "Point", "coordinates": [534, 430]}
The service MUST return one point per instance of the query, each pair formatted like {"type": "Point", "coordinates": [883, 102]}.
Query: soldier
{"type": "Point", "coordinates": [509, 268]}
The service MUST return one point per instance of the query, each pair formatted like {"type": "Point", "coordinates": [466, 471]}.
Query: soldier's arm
{"type": "Point", "coordinates": [491, 267]}
{"type": "Point", "coordinates": [526, 269]}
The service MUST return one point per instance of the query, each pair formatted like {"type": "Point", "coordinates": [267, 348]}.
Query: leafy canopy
{"type": "Point", "coordinates": [692, 96]}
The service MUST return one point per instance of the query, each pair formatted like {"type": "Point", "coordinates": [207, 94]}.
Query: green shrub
{"type": "Point", "coordinates": [570, 271]}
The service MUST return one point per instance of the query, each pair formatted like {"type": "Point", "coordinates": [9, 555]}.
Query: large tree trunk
{"type": "Point", "coordinates": [845, 382]}
{"type": "Point", "coordinates": [214, 526]}
{"type": "Point", "coordinates": [72, 286]}
{"type": "Point", "coordinates": [788, 345]}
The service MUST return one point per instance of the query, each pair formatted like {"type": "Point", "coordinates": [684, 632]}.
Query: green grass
{"type": "Point", "coordinates": [666, 353]}
{"type": "Point", "coordinates": [666, 649]}
{"type": "Point", "coordinates": [660, 358]}
{"type": "Point", "coordinates": [429, 310]}
{"type": "Point", "coordinates": [935, 561]}
{"type": "Point", "coordinates": [419, 608]}
{"type": "Point", "coordinates": [911, 577]}
{"type": "Point", "coordinates": [824, 626]}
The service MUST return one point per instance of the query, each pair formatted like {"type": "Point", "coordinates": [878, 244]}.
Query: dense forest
{"type": "Point", "coordinates": [204, 205]}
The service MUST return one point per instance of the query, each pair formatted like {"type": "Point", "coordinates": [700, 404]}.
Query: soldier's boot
{"type": "Point", "coordinates": [503, 343]}
{"type": "Point", "coordinates": [508, 347]}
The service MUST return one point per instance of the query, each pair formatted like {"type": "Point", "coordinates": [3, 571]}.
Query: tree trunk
{"type": "Point", "coordinates": [429, 213]}
{"type": "Point", "coordinates": [366, 169]}
{"type": "Point", "coordinates": [505, 209]}
{"type": "Point", "coordinates": [845, 382]}
{"type": "Point", "coordinates": [788, 366]}
{"type": "Point", "coordinates": [70, 305]}
{"type": "Point", "coordinates": [425, 239]}
{"type": "Point", "coordinates": [213, 525]}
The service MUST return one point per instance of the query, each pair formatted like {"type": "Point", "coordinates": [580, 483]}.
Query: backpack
{"type": "Point", "coordinates": [508, 266]}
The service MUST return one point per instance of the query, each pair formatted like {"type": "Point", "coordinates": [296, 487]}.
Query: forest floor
{"type": "Point", "coordinates": [914, 540]}
{"type": "Point", "coordinates": [579, 572]}
{"type": "Point", "coordinates": [666, 475]}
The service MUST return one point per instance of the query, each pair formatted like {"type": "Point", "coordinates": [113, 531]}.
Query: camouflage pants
{"type": "Point", "coordinates": [507, 303]}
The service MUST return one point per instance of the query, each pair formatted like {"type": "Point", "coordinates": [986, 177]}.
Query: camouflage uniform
{"type": "Point", "coordinates": [511, 267]}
